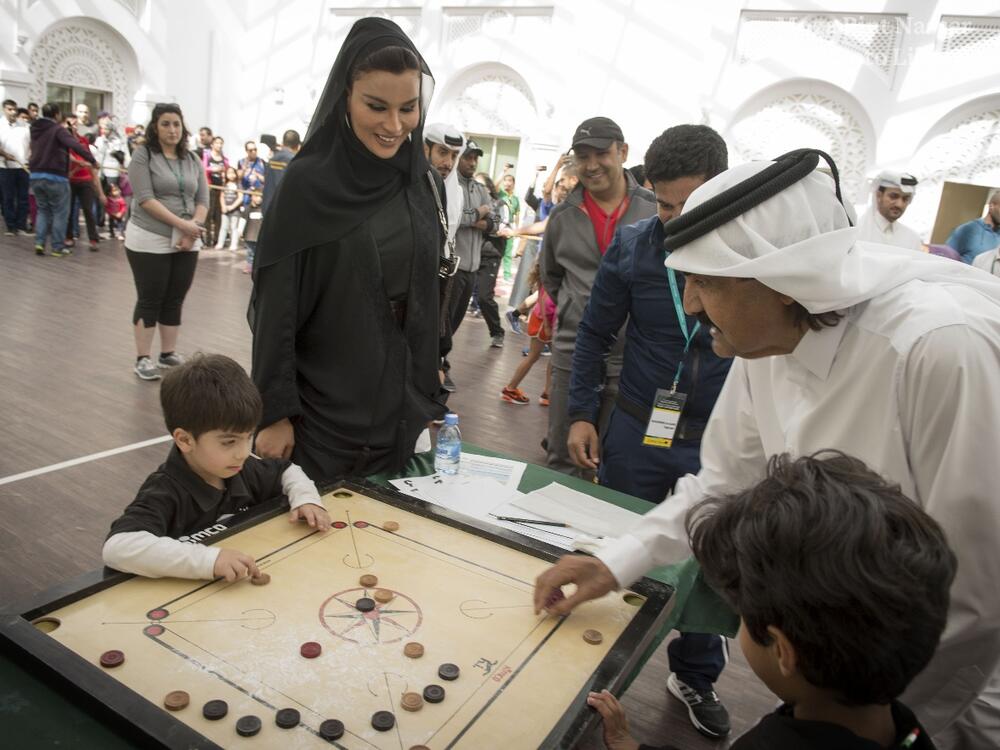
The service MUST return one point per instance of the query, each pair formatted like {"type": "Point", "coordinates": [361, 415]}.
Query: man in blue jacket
{"type": "Point", "coordinates": [670, 380]}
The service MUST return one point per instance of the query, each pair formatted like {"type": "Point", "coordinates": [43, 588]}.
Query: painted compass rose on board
{"type": "Point", "coordinates": [386, 623]}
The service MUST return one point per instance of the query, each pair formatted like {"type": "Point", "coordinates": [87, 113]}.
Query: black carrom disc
{"type": "Point", "coordinates": [247, 726]}
{"type": "Point", "coordinates": [383, 721]}
{"type": "Point", "coordinates": [215, 710]}
{"type": "Point", "coordinates": [331, 729]}
{"type": "Point", "coordinates": [433, 693]}
{"type": "Point", "coordinates": [364, 604]}
{"type": "Point", "coordinates": [286, 718]}
{"type": "Point", "coordinates": [448, 671]}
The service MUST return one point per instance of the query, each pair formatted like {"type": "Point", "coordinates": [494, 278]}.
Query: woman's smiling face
{"type": "Point", "coordinates": [384, 108]}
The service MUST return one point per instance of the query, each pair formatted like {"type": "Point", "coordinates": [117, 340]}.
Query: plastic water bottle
{"type": "Point", "coordinates": [449, 447]}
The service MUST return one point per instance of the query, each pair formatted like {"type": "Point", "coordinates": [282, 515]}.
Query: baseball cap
{"type": "Point", "coordinates": [444, 135]}
{"type": "Point", "coordinates": [471, 145]}
{"type": "Point", "coordinates": [902, 181]}
{"type": "Point", "coordinates": [599, 132]}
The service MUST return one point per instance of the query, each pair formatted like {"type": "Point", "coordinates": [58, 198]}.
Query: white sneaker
{"type": "Point", "coordinates": [146, 370]}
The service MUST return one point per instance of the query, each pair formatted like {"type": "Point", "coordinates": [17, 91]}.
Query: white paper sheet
{"type": "Point", "coordinates": [481, 499]}
{"type": "Point", "coordinates": [503, 470]}
{"type": "Point", "coordinates": [590, 515]}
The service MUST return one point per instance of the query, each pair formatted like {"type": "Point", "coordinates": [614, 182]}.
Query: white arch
{"type": "Point", "coordinates": [85, 52]}
{"type": "Point", "coordinates": [801, 113]}
{"type": "Point", "coordinates": [962, 146]}
{"type": "Point", "coordinates": [488, 98]}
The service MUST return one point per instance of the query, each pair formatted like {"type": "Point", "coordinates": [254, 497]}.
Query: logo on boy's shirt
{"type": "Point", "coordinates": [212, 530]}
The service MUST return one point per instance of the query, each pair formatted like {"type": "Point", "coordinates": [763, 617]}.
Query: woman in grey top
{"type": "Point", "coordinates": [169, 204]}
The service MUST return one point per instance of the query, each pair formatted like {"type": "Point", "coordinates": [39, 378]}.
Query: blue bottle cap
{"type": "Point", "coordinates": [450, 418]}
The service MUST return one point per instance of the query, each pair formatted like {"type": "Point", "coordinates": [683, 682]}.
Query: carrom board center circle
{"type": "Point", "coordinates": [392, 622]}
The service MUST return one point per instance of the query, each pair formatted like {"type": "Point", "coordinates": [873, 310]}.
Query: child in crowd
{"type": "Point", "coordinates": [230, 203]}
{"type": "Point", "coordinates": [541, 322]}
{"type": "Point", "coordinates": [115, 208]}
{"type": "Point", "coordinates": [254, 217]}
{"type": "Point", "coordinates": [842, 585]}
{"type": "Point", "coordinates": [211, 408]}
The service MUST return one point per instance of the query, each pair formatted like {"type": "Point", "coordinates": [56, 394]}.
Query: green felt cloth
{"type": "Point", "coordinates": [696, 607]}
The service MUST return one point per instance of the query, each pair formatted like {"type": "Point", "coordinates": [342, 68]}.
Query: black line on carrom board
{"type": "Point", "coordinates": [354, 541]}
{"type": "Point", "coordinates": [504, 685]}
{"type": "Point", "coordinates": [487, 679]}
{"type": "Point", "coordinates": [217, 580]}
{"type": "Point", "coordinates": [456, 557]}
{"type": "Point", "coordinates": [388, 691]}
{"type": "Point", "coordinates": [240, 688]}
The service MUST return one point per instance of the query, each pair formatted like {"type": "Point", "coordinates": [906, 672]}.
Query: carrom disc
{"type": "Point", "coordinates": [286, 718]}
{"type": "Point", "coordinates": [247, 726]}
{"type": "Point", "coordinates": [331, 729]}
{"type": "Point", "coordinates": [390, 526]}
{"type": "Point", "coordinates": [411, 701]}
{"type": "Point", "coordinates": [175, 700]}
{"type": "Point", "coordinates": [593, 637]}
{"type": "Point", "coordinates": [413, 650]}
{"type": "Point", "coordinates": [448, 671]}
{"type": "Point", "coordinates": [383, 596]}
{"type": "Point", "coordinates": [310, 649]}
{"type": "Point", "coordinates": [215, 710]}
{"type": "Point", "coordinates": [383, 721]}
{"type": "Point", "coordinates": [111, 659]}
{"type": "Point", "coordinates": [433, 693]}
{"type": "Point", "coordinates": [364, 604]}
{"type": "Point", "coordinates": [368, 580]}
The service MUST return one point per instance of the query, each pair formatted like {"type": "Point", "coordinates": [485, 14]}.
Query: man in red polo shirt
{"type": "Point", "coordinates": [578, 233]}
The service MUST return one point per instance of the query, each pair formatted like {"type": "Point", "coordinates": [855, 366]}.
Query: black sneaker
{"type": "Point", "coordinates": [448, 384]}
{"type": "Point", "coordinates": [496, 342]}
{"type": "Point", "coordinates": [705, 711]}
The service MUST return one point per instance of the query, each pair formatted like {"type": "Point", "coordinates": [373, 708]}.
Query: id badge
{"type": "Point", "coordinates": [667, 408]}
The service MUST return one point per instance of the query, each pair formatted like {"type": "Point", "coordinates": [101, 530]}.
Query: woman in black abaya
{"type": "Point", "coordinates": [344, 310]}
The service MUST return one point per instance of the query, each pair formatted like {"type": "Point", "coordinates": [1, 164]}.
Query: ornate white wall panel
{"type": "Point", "coordinates": [875, 38]}
{"type": "Point", "coordinates": [79, 55]}
{"type": "Point", "coordinates": [799, 120]}
{"type": "Point", "coordinates": [496, 23]}
{"type": "Point", "coordinates": [968, 36]}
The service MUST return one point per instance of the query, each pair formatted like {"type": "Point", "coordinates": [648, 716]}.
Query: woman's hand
{"type": "Point", "coordinates": [276, 440]}
{"type": "Point", "coordinates": [189, 228]}
{"type": "Point", "coordinates": [186, 242]}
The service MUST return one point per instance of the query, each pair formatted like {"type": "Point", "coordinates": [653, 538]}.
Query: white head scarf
{"type": "Point", "coordinates": [800, 244]}
{"type": "Point", "coordinates": [436, 132]}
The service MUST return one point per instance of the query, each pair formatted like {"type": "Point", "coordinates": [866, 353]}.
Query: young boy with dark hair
{"type": "Point", "coordinates": [211, 408]}
{"type": "Point", "coordinates": [842, 585]}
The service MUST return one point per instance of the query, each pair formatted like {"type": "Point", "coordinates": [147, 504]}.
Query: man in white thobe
{"type": "Point", "coordinates": [885, 354]}
{"type": "Point", "coordinates": [892, 193]}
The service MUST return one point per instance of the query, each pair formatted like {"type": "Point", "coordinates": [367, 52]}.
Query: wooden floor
{"type": "Point", "coordinates": [67, 391]}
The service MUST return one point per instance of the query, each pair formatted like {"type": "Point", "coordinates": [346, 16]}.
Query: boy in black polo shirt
{"type": "Point", "coordinates": [842, 585]}
{"type": "Point", "coordinates": [211, 409]}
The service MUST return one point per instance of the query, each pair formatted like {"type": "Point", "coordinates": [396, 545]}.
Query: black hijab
{"type": "Point", "coordinates": [335, 183]}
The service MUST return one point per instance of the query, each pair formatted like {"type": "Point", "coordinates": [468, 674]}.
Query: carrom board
{"type": "Point", "coordinates": [462, 590]}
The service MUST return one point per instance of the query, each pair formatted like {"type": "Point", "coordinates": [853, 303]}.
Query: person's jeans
{"type": "Point", "coordinates": [230, 224]}
{"type": "Point", "coordinates": [14, 188]}
{"type": "Point", "coordinates": [52, 197]}
{"type": "Point", "coordinates": [251, 251]}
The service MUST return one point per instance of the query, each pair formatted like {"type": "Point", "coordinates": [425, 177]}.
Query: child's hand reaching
{"type": "Point", "coordinates": [314, 515]}
{"type": "Point", "coordinates": [616, 735]}
{"type": "Point", "coordinates": [232, 565]}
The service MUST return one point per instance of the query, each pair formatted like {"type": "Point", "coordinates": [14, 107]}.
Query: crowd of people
{"type": "Point", "coordinates": [723, 341]}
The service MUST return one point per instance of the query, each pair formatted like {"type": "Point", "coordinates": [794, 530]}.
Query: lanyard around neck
{"type": "Point", "coordinates": [179, 175]}
{"type": "Point", "coordinates": [682, 319]}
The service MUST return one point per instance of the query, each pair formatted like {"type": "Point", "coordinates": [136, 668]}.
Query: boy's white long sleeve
{"type": "Point", "coordinates": [146, 554]}
{"type": "Point", "coordinates": [154, 556]}
{"type": "Point", "coordinates": [299, 488]}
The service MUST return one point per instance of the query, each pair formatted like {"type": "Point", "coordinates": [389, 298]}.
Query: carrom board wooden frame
{"type": "Point", "coordinates": [138, 718]}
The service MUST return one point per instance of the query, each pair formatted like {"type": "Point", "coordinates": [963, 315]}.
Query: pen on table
{"type": "Point", "coordinates": [531, 520]}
